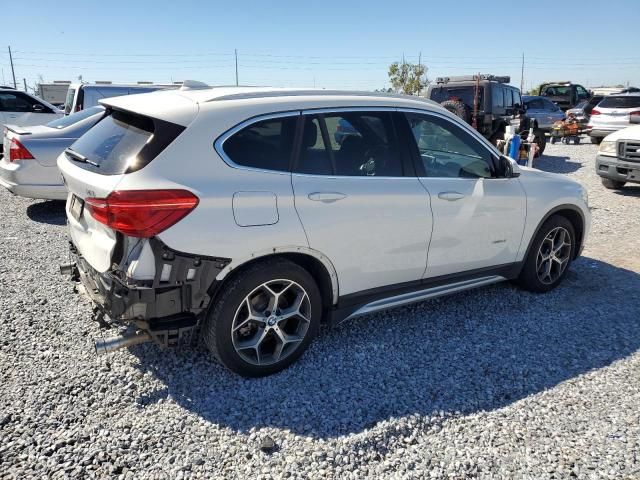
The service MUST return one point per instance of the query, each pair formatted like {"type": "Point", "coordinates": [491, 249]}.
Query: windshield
{"type": "Point", "coordinates": [627, 101]}
{"type": "Point", "coordinates": [74, 117]}
{"type": "Point", "coordinates": [462, 94]}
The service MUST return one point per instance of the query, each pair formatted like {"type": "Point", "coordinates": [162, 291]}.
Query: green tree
{"type": "Point", "coordinates": [408, 78]}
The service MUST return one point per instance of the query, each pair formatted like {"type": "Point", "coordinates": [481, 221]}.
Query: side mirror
{"type": "Point", "coordinates": [37, 108]}
{"type": "Point", "coordinates": [634, 119]}
{"type": "Point", "coordinates": [507, 167]}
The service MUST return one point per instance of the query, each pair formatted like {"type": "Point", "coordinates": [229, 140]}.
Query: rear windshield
{"type": "Point", "coordinates": [630, 101]}
{"type": "Point", "coordinates": [68, 104]}
{"type": "Point", "coordinates": [74, 117]}
{"type": "Point", "coordinates": [556, 91]}
{"type": "Point", "coordinates": [122, 142]}
{"type": "Point", "coordinates": [462, 94]}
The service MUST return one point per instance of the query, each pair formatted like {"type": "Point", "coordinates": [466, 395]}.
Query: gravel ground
{"type": "Point", "coordinates": [496, 383]}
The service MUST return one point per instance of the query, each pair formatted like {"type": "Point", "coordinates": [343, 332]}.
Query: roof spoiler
{"type": "Point", "coordinates": [194, 85]}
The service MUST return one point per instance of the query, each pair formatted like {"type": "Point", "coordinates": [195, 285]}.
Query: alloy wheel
{"type": "Point", "coordinates": [553, 255]}
{"type": "Point", "coordinates": [271, 322]}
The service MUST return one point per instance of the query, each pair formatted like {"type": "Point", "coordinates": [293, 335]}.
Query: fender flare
{"type": "Point", "coordinates": [239, 262]}
{"type": "Point", "coordinates": [549, 214]}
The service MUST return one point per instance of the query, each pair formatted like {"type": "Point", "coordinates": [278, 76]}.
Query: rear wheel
{"type": "Point", "coordinates": [612, 184]}
{"type": "Point", "coordinates": [540, 139]}
{"type": "Point", "coordinates": [550, 255]}
{"type": "Point", "coordinates": [264, 319]}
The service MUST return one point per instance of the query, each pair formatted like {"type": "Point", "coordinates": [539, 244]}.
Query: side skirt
{"type": "Point", "coordinates": [363, 303]}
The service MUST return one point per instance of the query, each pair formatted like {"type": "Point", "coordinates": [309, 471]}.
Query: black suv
{"type": "Point", "coordinates": [564, 94]}
{"type": "Point", "coordinates": [498, 105]}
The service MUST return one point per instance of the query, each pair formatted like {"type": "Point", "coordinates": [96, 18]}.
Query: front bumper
{"type": "Point", "coordinates": [616, 169]}
{"type": "Point", "coordinates": [169, 307]}
{"type": "Point", "coordinates": [601, 133]}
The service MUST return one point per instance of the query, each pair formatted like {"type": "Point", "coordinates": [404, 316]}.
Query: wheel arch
{"type": "Point", "coordinates": [571, 213]}
{"type": "Point", "coordinates": [317, 264]}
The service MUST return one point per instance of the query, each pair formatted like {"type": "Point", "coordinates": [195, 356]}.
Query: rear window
{"type": "Point", "coordinates": [630, 101]}
{"type": "Point", "coordinates": [462, 94]}
{"type": "Point", "coordinates": [74, 117]}
{"type": "Point", "coordinates": [556, 91]}
{"type": "Point", "coordinates": [122, 142]}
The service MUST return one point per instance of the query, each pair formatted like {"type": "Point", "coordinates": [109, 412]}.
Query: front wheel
{"type": "Point", "coordinates": [596, 140]}
{"type": "Point", "coordinates": [550, 255]}
{"type": "Point", "coordinates": [264, 319]}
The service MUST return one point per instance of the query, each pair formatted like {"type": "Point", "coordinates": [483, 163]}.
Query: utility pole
{"type": "Point", "coordinates": [12, 71]}
{"type": "Point", "coordinates": [522, 74]}
{"type": "Point", "coordinates": [236, 52]}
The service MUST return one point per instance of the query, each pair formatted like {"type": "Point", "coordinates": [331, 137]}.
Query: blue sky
{"type": "Point", "coordinates": [323, 44]}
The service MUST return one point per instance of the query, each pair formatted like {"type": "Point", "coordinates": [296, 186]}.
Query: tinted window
{"type": "Point", "coordinates": [75, 117]}
{"type": "Point", "coordinates": [353, 144]}
{"type": "Point", "coordinates": [446, 150]}
{"type": "Point", "coordinates": [462, 94]}
{"type": "Point", "coordinates": [517, 99]}
{"type": "Point", "coordinates": [508, 98]}
{"type": "Point", "coordinates": [11, 102]}
{"type": "Point", "coordinates": [535, 104]}
{"type": "Point", "coordinates": [122, 142]}
{"type": "Point", "coordinates": [556, 90]}
{"type": "Point", "coordinates": [498, 97]}
{"type": "Point", "coordinates": [582, 93]}
{"type": "Point", "coordinates": [629, 101]}
{"type": "Point", "coordinates": [266, 145]}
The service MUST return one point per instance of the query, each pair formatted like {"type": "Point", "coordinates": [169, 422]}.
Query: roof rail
{"type": "Point", "coordinates": [473, 78]}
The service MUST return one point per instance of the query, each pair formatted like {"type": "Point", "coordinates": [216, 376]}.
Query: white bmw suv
{"type": "Point", "coordinates": [249, 217]}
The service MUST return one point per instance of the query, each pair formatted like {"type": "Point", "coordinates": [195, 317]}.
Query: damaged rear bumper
{"type": "Point", "coordinates": [168, 308]}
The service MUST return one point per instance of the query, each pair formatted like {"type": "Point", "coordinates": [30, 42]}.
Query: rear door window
{"type": "Point", "coordinates": [266, 145]}
{"type": "Point", "coordinates": [122, 142]}
{"type": "Point", "coordinates": [12, 102]}
{"type": "Point", "coordinates": [351, 144]}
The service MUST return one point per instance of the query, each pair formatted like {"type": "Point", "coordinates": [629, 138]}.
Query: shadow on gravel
{"type": "Point", "coordinates": [629, 190]}
{"type": "Point", "coordinates": [472, 352]}
{"type": "Point", "coordinates": [49, 211]}
{"type": "Point", "coordinates": [557, 163]}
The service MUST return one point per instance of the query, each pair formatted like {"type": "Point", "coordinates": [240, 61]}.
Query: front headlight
{"type": "Point", "coordinates": [607, 147]}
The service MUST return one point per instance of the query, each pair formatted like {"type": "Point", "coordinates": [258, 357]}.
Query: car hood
{"type": "Point", "coordinates": [629, 133]}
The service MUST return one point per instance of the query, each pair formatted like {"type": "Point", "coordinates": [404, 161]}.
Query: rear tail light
{"type": "Point", "coordinates": [142, 213]}
{"type": "Point", "coordinates": [635, 114]}
{"type": "Point", "coordinates": [17, 151]}
{"type": "Point", "coordinates": [595, 112]}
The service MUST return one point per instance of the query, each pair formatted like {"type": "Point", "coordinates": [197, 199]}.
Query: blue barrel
{"type": "Point", "coordinates": [514, 148]}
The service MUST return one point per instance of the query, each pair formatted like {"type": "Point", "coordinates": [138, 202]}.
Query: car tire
{"type": "Point", "coordinates": [543, 270]}
{"type": "Point", "coordinates": [458, 108]}
{"type": "Point", "coordinates": [249, 339]}
{"type": "Point", "coordinates": [612, 184]}
{"type": "Point", "coordinates": [596, 140]}
{"type": "Point", "coordinates": [540, 139]}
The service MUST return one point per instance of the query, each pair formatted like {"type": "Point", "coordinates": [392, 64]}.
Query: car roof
{"type": "Point", "coordinates": [182, 104]}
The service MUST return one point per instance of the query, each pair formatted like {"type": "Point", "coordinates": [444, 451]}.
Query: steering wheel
{"type": "Point", "coordinates": [375, 160]}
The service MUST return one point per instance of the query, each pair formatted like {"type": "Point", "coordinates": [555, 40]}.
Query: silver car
{"type": "Point", "coordinates": [543, 110]}
{"type": "Point", "coordinates": [613, 113]}
{"type": "Point", "coordinates": [28, 167]}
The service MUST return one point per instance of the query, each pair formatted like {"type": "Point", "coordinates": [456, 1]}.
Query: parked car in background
{"type": "Point", "coordinates": [543, 111]}
{"type": "Point", "coordinates": [618, 159]}
{"type": "Point", "coordinates": [29, 167]}
{"type": "Point", "coordinates": [85, 95]}
{"type": "Point", "coordinates": [564, 94]}
{"type": "Point", "coordinates": [582, 111]}
{"type": "Point", "coordinates": [499, 105]}
{"type": "Point", "coordinates": [242, 219]}
{"type": "Point", "coordinates": [24, 109]}
{"type": "Point", "coordinates": [55, 93]}
{"type": "Point", "coordinates": [613, 113]}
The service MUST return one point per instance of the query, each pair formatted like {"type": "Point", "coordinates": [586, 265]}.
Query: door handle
{"type": "Point", "coordinates": [326, 197]}
{"type": "Point", "coordinates": [451, 196]}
